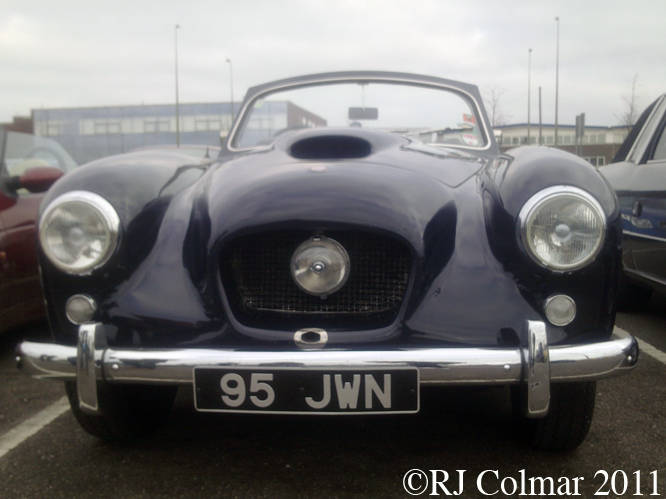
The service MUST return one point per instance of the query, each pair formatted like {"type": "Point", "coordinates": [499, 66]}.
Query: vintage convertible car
{"type": "Point", "coordinates": [638, 175]}
{"type": "Point", "coordinates": [359, 236]}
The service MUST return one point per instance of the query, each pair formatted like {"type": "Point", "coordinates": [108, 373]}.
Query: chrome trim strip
{"type": "Point", "coordinates": [231, 137]}
{"type": "Point", "coordinates": [538, 370]}
{"type": "Point", "coordinates": [644, 275]}
{"type": "Point", "coordinates": [539, 198]}
{"type": "Point", "coordinates": [86, 371]}
{"type": "Point", "coordinates": [437, 366]}
{"type": "Point", "coordinates": [644, 236]}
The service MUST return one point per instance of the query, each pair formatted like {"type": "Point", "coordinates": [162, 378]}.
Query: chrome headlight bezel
{"type": "Point", "coordinates": [538, 200]}
{"type": "Point", "coordinates": [107, 215]}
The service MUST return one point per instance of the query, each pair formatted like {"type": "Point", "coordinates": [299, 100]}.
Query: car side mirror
{"type": "Point", "coordinates": [37, 179]}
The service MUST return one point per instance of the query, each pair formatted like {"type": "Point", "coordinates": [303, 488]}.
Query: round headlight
{"type": "Point", "coordinates": [560, 310]}
{"type": "Point", "coordinates": [80, 308]}
{"type": "Point", "coordinates": [78, 231]}
{"type": "Point", "coordinates": [562, 227]}
{"type": "Point", "coordinates": [320, 266]}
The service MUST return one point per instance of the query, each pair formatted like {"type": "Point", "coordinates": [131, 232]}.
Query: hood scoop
{"type": "Point", "coordinates": [330, 147]}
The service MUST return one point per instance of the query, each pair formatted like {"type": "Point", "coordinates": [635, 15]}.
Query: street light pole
{"type": "Point", "coordinates": [175, 41]}
{"type": "Point", "coordinates": [540, 124]}
{"type": "Point", "coordinates": [557, 74]}
{"type": "Point", "coordinates": [231, 88]}
{"type": "Point", "coordinates": [529, 91]}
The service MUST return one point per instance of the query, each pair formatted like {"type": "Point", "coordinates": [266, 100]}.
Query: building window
{"type": "Point", "coordinates": [105, 127]}
{"type": "Point", "coordinates": [515, 140]}
{"type": "Point", "coordinates": [205, 124]}
{"type": "Point", "coordinates": [154, 126]}
{"type": "Point", "coordinates": [595, 160]}
{"type": "Point", "coordinates": [549, 139]}
{"type": "Point", "coordinates": [53, 128]}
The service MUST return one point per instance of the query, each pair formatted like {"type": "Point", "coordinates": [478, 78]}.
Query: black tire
{"type": "Point", "coordinates": [128, 412]}
{"type": "Point", "coordinates": [631, 296]}
{"type": "Point", "coordinates": [568, 420]}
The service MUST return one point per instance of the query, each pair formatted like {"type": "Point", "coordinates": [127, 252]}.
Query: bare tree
{"type": "Point", "coordinates": [630, 113]}
{"type": "Point", "coordinates": [492, 98]}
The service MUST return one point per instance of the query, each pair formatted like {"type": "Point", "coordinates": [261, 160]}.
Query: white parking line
{"type": "Point", "coordinates": [653, 352]}
{"type": "Point", "coordinates": [14, 437]}
{"type": "Point", "coordinates": [647, 349]}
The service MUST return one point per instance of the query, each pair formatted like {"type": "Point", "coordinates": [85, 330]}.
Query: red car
{"type": "Point", "coordinates": [28, 166]}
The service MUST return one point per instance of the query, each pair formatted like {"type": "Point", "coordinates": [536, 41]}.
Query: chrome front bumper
{"type": "Point", "coordinates": [537, 365]}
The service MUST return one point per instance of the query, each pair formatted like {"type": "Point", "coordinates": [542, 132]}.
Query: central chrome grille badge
{"type": "Point", "coordinates": [320, 266]}
{"type": "Point", "coordinates": [311, 338]}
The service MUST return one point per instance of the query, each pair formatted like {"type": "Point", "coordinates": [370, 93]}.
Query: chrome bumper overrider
{"type": "Point", "coordinates": [537, 365]}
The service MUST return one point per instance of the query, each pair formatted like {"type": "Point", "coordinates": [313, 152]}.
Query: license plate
{"type": "Point", "coordinates": [306, 391]}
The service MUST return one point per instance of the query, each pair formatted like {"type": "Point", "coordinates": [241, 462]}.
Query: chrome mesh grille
{"type": "Point", "coordinates": [258, 278]}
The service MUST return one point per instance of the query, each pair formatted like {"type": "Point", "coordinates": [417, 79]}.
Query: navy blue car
{"type": "Point", "coordinates": [359, 236]}
{"type": "Point", "coordinates": [638, 175]}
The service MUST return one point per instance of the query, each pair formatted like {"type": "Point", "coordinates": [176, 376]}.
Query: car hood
{"type": "Point", "coordinates": [393, 183]}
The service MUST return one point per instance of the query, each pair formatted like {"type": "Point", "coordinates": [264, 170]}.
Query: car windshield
{"type": "Point", "coordinates": [432, 115]}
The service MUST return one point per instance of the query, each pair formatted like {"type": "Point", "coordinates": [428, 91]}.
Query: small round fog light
{"type": "Point", "coordinates": [560, 310]}
{"type": "Point", "coordinates": [80, 309]}
{"type": "Point", "coordinates": [320, 266]}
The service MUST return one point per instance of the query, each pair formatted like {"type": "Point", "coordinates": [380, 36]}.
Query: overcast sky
{"type": "Point", "coordinates": [66, 53]}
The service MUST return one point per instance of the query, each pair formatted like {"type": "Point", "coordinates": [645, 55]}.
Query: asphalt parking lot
{"type": "Point", "coordinates": [198, 454]}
